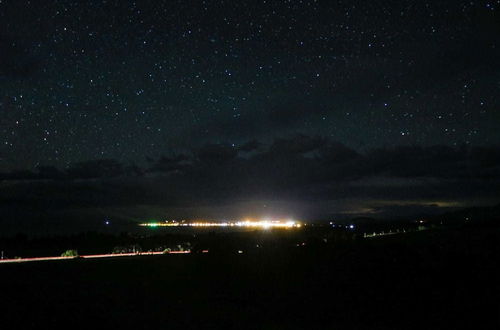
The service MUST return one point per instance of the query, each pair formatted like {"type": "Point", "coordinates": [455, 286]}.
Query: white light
{"type": "Point", "coordinates": [263, 224]}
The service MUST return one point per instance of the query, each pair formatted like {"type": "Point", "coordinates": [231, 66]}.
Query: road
{"type": "Point", "coordinates": [90, 256]}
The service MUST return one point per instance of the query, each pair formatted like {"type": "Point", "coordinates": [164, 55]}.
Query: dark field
{"type": "Point", "coordinates": [427, 280]}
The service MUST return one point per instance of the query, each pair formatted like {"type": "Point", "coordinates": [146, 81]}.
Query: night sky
{"type": "Point", "coordinates": [188, 101]}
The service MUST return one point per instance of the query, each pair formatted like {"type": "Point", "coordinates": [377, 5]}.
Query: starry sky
{"type": "Point", "coordinates": [125, 79]}
{"type": "Point", "coordinates": [135, 81]}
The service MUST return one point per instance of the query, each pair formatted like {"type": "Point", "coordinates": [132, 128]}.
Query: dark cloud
{"type": "Point", "coordinates": [287, 116]}
{"type": "Point", "coordinates": [408, 209]}
{"type": "Point", "coordinates": [442, 162]}
{"type": "Point", "coordinates": [250, 146]}
{"type": "Point", "coordinates": [216, 153]}
{"type": "Point", "coordinates": [96, 169]}
{"type": "Point", "coordinates": [298, 170]}
{"type": "Point", "coordinates": [171, 164]}
{"type": "Point", "coordinates": [50, 172]}
{"type": "Point", "coordinates": [300, 156]}
{"type": "Point", "coordinates": [93, 169]}
{"type": "Point", "coordinates": [298, 144]}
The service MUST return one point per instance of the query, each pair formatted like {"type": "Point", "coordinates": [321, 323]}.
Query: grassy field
{"type": "Point", "coordinates": [427, 280]}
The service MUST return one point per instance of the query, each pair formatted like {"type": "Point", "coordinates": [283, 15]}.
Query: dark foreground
{"type": "Point", "coordinates": [428, 280]}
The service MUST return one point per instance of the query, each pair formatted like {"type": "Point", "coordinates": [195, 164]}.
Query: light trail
{"type": "Point", "coordinates": [92, 256]}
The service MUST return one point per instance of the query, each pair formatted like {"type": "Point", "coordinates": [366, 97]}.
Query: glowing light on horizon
{"type": "Point", "coordinates": [263, 224]}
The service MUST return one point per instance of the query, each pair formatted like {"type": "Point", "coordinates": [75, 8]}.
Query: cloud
{"type": "Point", "coordinates": [214, 153]}
{"type": "Point", "coordinates": [92, 169]}
{"type": "Point", "coordinates": [297, 144]}
{"type": "Point", "coordinates": [106, 168]}
{"type": "Point", "coordinates": [250, 146]}
{"type": "Point", "coordinates": [170, 164]}
{"type": "Point", "coordinates": [301, 172]}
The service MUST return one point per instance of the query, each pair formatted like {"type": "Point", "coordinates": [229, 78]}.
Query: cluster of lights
{"type": "Point", "coordinates": [351, 226]}
{"type": "Point", "coordinates": [245, 224]}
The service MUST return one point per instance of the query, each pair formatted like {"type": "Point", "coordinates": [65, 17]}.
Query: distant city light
{"type": "Point", "coordinates": [264, 224]}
